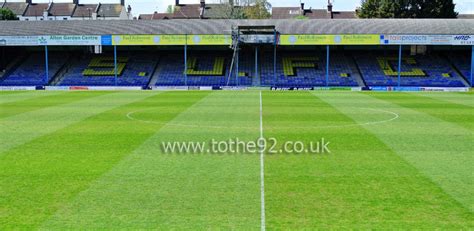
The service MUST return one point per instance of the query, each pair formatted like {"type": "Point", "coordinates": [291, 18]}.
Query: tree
{"type": "Point", "coordinates": [243, 9]}
{"type": "Point", "coordinates": [7, 14]}
{"type": "Point", "coordinates": [170, 9]}
{"type": "Point", "coordinates": [260, 10]}
{"type": "Point", "coordinates": [440, 8]}
{"type": "Point", "coordinates": [225, 11]}
{"type": "Point", "coordinates": [407, 9]}
{"type": "Point", "coordinates": [301, 17]}
{"type": "Point", "coordinates": [369, 9]}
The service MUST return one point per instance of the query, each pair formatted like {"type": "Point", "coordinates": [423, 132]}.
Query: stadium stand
{"type": "Point", "coordinates": [306, 70]}
{"type": "Point", "coordinates": [461, 61]}
{"type": "Point", "coordinates": [203, 70]}
{"type": "Point", "coordinates": [357, 64]}
{"type": "Point", "coordinates": [132, 70]}
{"type": "Point", "coordinates": [31, 72]}
{"type": "Point", "coordinates": [171, 73]}
{"type": "Point", "coordinates": [246, 70]}
{"type": "Point", "coordinates": [421, 70]}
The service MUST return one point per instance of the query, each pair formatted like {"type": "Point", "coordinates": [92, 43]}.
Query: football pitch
{"type": "Point", "coordinates": [96, 160]}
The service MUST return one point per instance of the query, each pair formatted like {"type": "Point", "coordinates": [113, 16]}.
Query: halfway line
{"type": "Point", "coordinates": [262, 175]}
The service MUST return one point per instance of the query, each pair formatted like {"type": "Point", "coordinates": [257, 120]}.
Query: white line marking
{"type": "Point", "coordinates": [129, 115]}
{"type": "Point", "coordinates": [262, 168]}
{"type": "Point", "coordinates": [395, 116]}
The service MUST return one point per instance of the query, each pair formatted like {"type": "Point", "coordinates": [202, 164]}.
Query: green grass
{"type": "Point", "coordinates": [74, 160]}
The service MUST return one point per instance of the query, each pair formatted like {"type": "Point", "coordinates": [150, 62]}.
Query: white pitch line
{"type": "Point", "coordinates": [130, 116]}
{"type": "Point", "coordinates": [262, 175]}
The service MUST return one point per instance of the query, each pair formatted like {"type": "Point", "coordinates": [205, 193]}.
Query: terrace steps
{"type": "Point", "coordinates": [459, 72]}
{"type": "Point", "coordinates": [155, 74]}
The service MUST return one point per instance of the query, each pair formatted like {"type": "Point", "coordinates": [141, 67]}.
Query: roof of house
{"type": "Point", "coordinates": [17, 8]}
{"type": "Point", "coordinates": [62, 9]}
{"type": "Point", "coordinates": [293, 12]}
{"type": "Point", "coordinates": [109, 10]}
{"type": "Point", "coordinates": [36, 9]}
{"type": "Point", "coordinates": [145, 16]}
{"type": "Point", "coordinates": [317, 14]}
{"type": "Point", "coordinates": [286, 12]}
{"type": "Point", "coordinates": [193, 11]}
{"type": "Point", "coordinates": [155, 16]}
{"type": "Point", "coordinates": [162, 16]}
{"type": "Point", "coordinates": [466, 16]}
{"type": "Point", "coordinates": [85, 10]}
{"type": "Point", "coordinates": [344, 14]}
{"type": "Point", "coordinates": [187, 11]}
{"type": "Point", "coordinates": [223, 26]}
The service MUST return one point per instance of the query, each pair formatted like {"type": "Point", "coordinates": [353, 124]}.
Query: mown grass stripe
{"type": "Point", "coordinates": [43, 100]}
{"type": "Point", "coordinates": [455, 113]}
{"type": "Point", "coordinates": [8, 92]}
{"type": "Point", "coordinates": [12, 92]}
{"type": "Point", "coordinates": [152, 190]}
{"type": "Point", "coordinates": [454, 98]}
{"type": "Point", "coordinates": [9, 97]}
{"type": "Point", "coordinates": [41, 176]}
{"type": "Point", "coordinates": [440, 150]}
{"type": "Point", "coordinates": [24, 127]}
{"type": "Point", "coordinates": [361, 184]}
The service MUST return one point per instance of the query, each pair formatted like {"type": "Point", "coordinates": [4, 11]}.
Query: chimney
{"type": "Point", "coordinates": [129, 9]}
{"type": "Point", "coordinates": [302, 6]}
{"type": "Point", "coordinates": [330, 9]}
{"type": "Point", "coordinates": [75, 2]}
{"type": "Point", "coordinates": [202, 8]}
{"type": "Point", "coordinates": [29, 1]}
{"type": "Point", "coordinates": [122, 2]}
{"type": "Point", "coordinates": [45, 14]}
{"type": "Point", "coordinates": [176, 2]}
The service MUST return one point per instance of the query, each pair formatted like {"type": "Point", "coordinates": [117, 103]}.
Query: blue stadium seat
{"type": "Point", "coordinates": [340, 71]}
{"type": "Point", "coordinates": [294, 69]}
{"type": "Point", "coordinates": [137, 72]}
{"type": "Point", "coordinates": [32, 71]}
{"type": "Point", "coordinates": [172, 70]}
{"type": "Point", "coordinates": [462, 61]}
{"type": "Point", "coordinates": [433, 66]}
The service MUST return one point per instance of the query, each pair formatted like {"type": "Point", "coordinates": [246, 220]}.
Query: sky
{"type": "Point", "coordinates": [149, 6]}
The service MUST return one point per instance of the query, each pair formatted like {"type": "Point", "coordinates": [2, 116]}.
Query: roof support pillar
{"type": "Point", "coordinates": [327, 65]}
{"type": "Point", "coordinates": [186, 60]}
{"type": "Point", "coordinates": [472, 66]}
{"type": "Point", "coordinates": [256, 62]}
{"type": "Point", "coordinates": [399, 65]}
{"type": "Point", "coordinates": [237, 67]}
{"type": "Point", "coordinates": [115, 65]}
{"type": "Point", "coordinates": [275, 59]}
{"type": "Point", "coordinates": [46, 74]}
